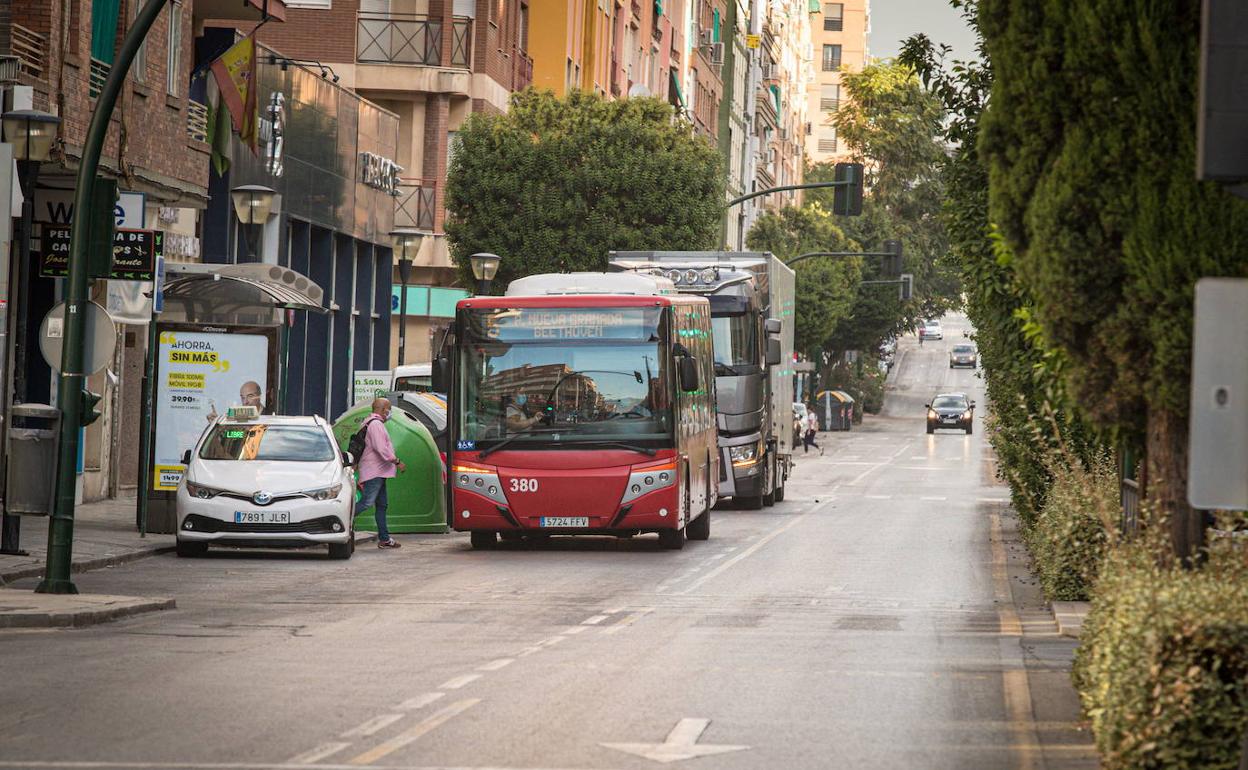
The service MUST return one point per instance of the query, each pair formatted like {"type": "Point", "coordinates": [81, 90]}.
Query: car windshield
{"type": "Point", "coordinates": [554, 376]}
{"type": "Point", "coordinates": [266, 441]}
{"type": "Point", "coordinates": [949, 402]}
{"type": "Point", "coordinates": [963, 349]}
{"type": "Point", "coordinates": [735, 341]}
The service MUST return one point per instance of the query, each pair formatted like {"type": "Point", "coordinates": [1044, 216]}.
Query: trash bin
{"type": "Point", "coordinates": [836, 409]}
{"type": "Point", "coordinates": [415, 497]}
{"type": "Point", "coordinates": [32, 453]}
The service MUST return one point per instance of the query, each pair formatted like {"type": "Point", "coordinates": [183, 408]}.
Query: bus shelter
{"type": "Point", "coordinates": [221, 340]}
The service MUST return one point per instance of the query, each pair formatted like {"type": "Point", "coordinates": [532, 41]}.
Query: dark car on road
{"type": "Point", "coordinates": [951, 410]}
{"type": "Point", "coordinates": [963, 355]}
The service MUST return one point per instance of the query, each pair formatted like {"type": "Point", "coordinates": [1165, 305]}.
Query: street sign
{"type": "Point", "coordinates": [753, 41]}
{"type": "Point", "coordinates": [1217, 471]}
{"type": "Point", "coordinates": [100, 338]}
{"type": "Point", "coordinates": [134, 253]}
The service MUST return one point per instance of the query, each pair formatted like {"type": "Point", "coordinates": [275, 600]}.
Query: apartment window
{"type": "Point", "coordinates": [831, 58]}
{"type": "Point", "coordinates": [830, 97]}
{"type": "Point", "coordinates": [138, 70]}
{"type": "Point", "coordinates": [524, 28]}
{"type": "Point", "coordinates": [827, 140]}
{"type": "Point", "coordinates": [173, 83]}
{"type": "Point", "coordinates": [833, 17]}
{"type": "Point", "coordinates": [324, 5]}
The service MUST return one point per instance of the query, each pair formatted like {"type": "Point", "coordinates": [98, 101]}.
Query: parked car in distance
{"type": "Point", "coordinates": [415, 378]}
{"type": "Point", "coordinates": [951, 410]}
{"type": "Point", "coordinates": [963, 355]}
{"type": "Point", "coordinates": [266, 482]}
{"type": "Point", "coordinates": [931, 330]}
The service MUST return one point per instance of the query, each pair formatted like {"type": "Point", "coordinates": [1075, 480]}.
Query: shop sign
{"type": "Point", "coordinates": [380, 173]}
{"type": "Point", "coordinates": [201, 375]}
{"type": "Point", "coordinates": [369, 385]}
{"type": "Point", "coordinates": [273, 131]}
{"type": "Point", "coordinates": [134, 253]}
{"type": "Point", "coordinates": [57, 207]}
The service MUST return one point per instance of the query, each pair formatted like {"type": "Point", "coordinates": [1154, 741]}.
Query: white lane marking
{"type": "Point", "coordinates": [681, 743]}
{"type": "Point", "coordinates": [992, 499]}
{"type": "Point", "coordinates": [495, 665]}
{"type": "Point", "coordinates": [615, 610]}
{"type": "Point", "coordinates": [919, 457]}
{"type": "Point", "coordinates": [376, 724]}
{"type": "Point", "coordinates": [318, 753]}
{"type": "Point", "coordinates": [934, 499]}
{"type": "Point", "coordinates": [414, 733]}
{"type": "Point", "coordinates": [595, 620]}
{"type": "Point", "coordinates": [747, 552]}
{"type": "Point", "coordinates": [552, 641]}
{"type": "Point", "coordinates": [420, 701]}
{"type": "Point", "coordinates": [527, 651]}
{"type": "Point", "coordinates": [575, 630]}
{"type": "Point", "coordinates": [718, 556]}
{"type": "Point", "coordinates": [627, 621]}
{"type": "Point", "coordinates": [459, 681]}
{"type": "Point", "coordinates": [878, 497]}
{"type": "Point", "coordinates": [880, 464]}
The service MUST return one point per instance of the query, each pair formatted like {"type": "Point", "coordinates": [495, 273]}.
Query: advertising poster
{"type": "Point", "coordinates": [199, 376]}
{"type": "Point", "coordinates": [370, 385]}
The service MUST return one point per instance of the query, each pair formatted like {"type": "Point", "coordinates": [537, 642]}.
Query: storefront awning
{"type": "Point", "coordinates": [249, 284]}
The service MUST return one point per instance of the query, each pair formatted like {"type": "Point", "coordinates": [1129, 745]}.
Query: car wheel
{"type": "Point", "coordinates": [342, 550]}
{"type": "Point", "coordinates": [189, 550]}
{"type": "Point", "coordinates": [700, 528]}
{"type": "Point", "coordinates": [769, 498]}
{"type": "Point", "coordinates": [970, 429]}
{"type": "Point", "coordinates": [930, 428]}
{"type": "Point", "coordinates": [780, 492]}
{"type": "Point", "coordinates": [672, 539]}
{"type": "Point", "coordinates": [482, 539]}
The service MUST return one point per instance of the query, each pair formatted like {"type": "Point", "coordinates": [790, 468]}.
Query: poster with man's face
{"type": "Point", "coordinates": [199, 375]}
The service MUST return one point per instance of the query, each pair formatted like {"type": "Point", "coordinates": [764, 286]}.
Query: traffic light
{"type": "Point", "coordinates": [847, 198]}
{"type": "Point", "coordinates": [892, 263]}
{"type": "Point", "coordinates": [907, 286]}
{"type": "Point", "coordinates": [90, 403]}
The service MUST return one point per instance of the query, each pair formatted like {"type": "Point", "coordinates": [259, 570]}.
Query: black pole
{"type": "Point", "coordinates": [812, 254]}
{"type": "Point", "coordinates": [405, 268]}
{"type": "Point", "coordinates": [73, 380]}
{"type": "Point", "coordinates": [785, 188]}
{"type": "Point", "coordinates": [28, 177]}
{"type": "Point", "coordinates": [145, 422]}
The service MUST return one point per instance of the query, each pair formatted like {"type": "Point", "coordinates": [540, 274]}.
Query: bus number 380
{"type": "Point", "coordinates": [524, 485]}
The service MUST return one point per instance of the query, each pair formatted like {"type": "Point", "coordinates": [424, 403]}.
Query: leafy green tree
{"type": "Point", "coordinates": [1089, 139]}
{"type": "Point", "coordinates": [825, 287]}
{"type": "Point", "coordinates": [555, 184]}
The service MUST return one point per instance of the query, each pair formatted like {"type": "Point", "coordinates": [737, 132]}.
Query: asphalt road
{"type": "Point", "coordinates": [880, 617]}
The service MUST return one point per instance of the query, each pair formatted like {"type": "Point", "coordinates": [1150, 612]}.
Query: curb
{"type": "Point", "coordinates": [1069, 617]}
{"type": "Point", "coordinates": [85, 617]}
{"type": "Point", "coordinates": [88, 565]}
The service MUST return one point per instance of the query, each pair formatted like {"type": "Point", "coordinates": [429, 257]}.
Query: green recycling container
{"type": "Point", "coordinates": [415, 495]}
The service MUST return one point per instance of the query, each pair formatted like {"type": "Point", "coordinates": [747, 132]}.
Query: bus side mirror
{"type": "Point", "coordinates": [440, 375]}
{"type": "Point", "coordinates": [186, 457]}
{"type": "Point", "coordinates": [772, 326]}
{"type": "Point", "coordinates": [773, 351]}
{"type": "Point", "coordinates": [688, 369]}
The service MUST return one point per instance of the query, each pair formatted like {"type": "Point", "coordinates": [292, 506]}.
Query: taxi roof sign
{"type": "Point", "coordinates": [243, 413]}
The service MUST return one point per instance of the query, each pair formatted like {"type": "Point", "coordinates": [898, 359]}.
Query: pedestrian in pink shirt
{"type": "Point", "coordinates": [377, 463]}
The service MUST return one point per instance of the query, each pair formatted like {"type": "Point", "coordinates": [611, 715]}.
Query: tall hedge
{"type": "Point", "coordinates": [1089, 139]}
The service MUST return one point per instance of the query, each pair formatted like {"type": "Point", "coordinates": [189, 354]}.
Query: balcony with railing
{"type": "Point", "coordinates": [410, 38]}
{"type": "Point", "coordinates": [30, 48]}
{"type": "Point", "coordinates": [196, 121]}
{"type": "Point", "coordinates": [99, 74]}
{"type": "Point", "coordinates": [829, 104]}
{"type": "Point", "coordinates": [416, 205]}
{"type": "Point", "coordinates": [522, 70]}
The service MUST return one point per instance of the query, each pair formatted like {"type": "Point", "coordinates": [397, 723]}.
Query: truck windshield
{"type": "Point", "coordinates": [735, 339]}
{"type": "Point", "coordinates": [551, 377]}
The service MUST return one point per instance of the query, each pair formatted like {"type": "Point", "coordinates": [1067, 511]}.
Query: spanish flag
{"type": "Point", "coordinates": [235, 72]}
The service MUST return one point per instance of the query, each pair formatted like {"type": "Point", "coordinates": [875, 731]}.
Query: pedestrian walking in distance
{"type": "Point", "coordinates": [812, 430]}
{"type": "Point", "coordinates": [377, 464]}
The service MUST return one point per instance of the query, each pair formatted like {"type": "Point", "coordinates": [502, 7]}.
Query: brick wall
{"type": "Point", "coordinates": [326, 35]}
{"type": "Point", "coordinates": [147, 143]}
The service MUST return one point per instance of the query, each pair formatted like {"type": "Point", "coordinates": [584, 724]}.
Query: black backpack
{"type": "Point", "coordinates": [359, 441]}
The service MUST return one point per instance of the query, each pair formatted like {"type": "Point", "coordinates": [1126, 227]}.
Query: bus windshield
{"type": "Point", "coordinates": [551, 376]}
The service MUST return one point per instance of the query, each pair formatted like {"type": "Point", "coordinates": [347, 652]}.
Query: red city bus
{"type": "Point", "coordinates": [582, 404]}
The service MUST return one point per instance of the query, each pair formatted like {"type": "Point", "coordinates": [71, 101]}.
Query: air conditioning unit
{"type": "Point", "coordinates": [704, 37]}
{"type": "Point", "coordinates": [810, 129]}
{"type": "Point", "coordinates": [717, 54]}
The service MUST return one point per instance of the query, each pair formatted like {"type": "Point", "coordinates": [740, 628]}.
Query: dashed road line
{"type": "Point", "coordinates": [459, 681]}
{"type": "Point", "coordinates": [420, 701]}
{"type": "Point", "coordinates": [573, 630]}
{"type": "Point", "coordinates": [627, 621]}
{"type": "Point", "coordinates": [323, 751]}
{"type": "Point", "coordinates": [747, 552]}
{"type": "Point", "coordinates": [934, 499]}
{"type": "Point", "coordinates": [495, 665]}
{"type": "Point", "coordinates": [414, 733]}
{"type": "Point", "coordinates": [374, 725]}
{"type": "Point", "coordinates": [595, 620]}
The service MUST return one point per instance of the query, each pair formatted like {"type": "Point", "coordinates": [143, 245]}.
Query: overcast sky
{"type": "Point", "coordinates": [894, 20]}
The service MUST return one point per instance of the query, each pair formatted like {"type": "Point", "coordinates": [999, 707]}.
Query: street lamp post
{"type": "Point", "coordinates": [32, 134]}
{"type": "Point", "coordinates": [484, 268]}
{"type": "Point", "coordinates": [407, 241]}
{"type": "Point", "coordinates": [252, 205]}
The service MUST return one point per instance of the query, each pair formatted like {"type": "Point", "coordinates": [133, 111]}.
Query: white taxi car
{"type": "Point", "coordinates": [266, 482]}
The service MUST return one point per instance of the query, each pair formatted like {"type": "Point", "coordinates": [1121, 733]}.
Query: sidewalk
{"type": "Point", "coordinates": [104, 536]}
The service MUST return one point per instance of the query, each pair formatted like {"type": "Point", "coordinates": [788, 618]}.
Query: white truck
{"type": "Point", "coordinates": [752, 296]}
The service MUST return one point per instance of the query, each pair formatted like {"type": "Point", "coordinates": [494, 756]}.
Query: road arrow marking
{"type": "Point", "coordinates": [682, 743]}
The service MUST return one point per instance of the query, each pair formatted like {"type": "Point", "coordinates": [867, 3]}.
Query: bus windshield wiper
{"type": "Point", "coordinates": [618, 444]}
{"type": "Point", "coordinates": [724, 370]}
{"type": "Point", "coordinates": [526, 432]}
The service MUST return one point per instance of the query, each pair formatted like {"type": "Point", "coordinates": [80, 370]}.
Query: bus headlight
{"type": "Point", "coordinates": [644, 480]}
{"type": "Point", "coordinates": [480, 480]}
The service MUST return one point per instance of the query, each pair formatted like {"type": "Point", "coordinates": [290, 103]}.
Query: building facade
{"type": "Point", "coordinates": [840, 45]}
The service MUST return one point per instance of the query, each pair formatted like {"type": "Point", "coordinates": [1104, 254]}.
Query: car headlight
{"type": "Point", "coordinates": [967, 414]}
{"type": "Point", "coordinates": [746, 454]}
{"type": "Point", "coordinates": [931, 414]}
{"type": "Point", "coordinates": [200, 491]}
{"type": "Point", "coordinates": [324, 493]}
